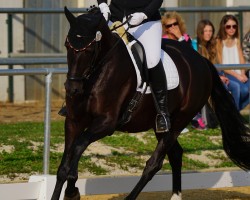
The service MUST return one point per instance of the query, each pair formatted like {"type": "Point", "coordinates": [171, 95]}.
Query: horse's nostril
{"type": "Point", "coordinates": [74, 91]}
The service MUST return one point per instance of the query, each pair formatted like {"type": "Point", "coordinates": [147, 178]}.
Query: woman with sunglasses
{"type": "Point", "coordinates": [229, 51]}
{"type": "Point", "coordinates": [173, 27]}
{"type": "Point", "coordinates": [145, 25]}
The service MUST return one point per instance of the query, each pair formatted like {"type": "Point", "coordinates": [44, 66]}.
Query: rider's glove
{"type": "Point", "coordinates": [137, 18]}
{"type": "Point", "coordinates": [105, 10]}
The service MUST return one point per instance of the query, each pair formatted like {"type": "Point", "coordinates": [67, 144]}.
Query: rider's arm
{"type": "Point", "coordinates": [104, 9]}
{"type": "Point", "coordinates": [153, 7]}
{"type": "Point", "coordinates": [101, 1]}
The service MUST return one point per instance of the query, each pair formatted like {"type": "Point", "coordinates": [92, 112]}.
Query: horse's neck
{"type": "Point", "coordinates": [113, 48]}
{"type": "Point", "coordinates": [117, 67]}
{"type": "Point", "coordinates": [108, 39]}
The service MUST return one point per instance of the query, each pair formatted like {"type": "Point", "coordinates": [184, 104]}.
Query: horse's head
{"type": "Point", "coordinates": [82, 45]}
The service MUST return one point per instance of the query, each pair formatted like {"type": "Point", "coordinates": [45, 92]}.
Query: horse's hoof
{"type": "Point", "coordinates": [75, 196]}
{"type": "Point", "coordinates": [176, 196]}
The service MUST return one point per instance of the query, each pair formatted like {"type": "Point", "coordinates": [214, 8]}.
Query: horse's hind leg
{"type": "Point", "coordinates": [154, 164]}
{"type": "Point", "coordinates": [175, 160]}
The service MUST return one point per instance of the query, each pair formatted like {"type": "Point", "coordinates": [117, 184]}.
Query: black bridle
{"type": "Point", "coordinates": [90, 67]}
{"type": "Point", "coordinates": [93, 66]}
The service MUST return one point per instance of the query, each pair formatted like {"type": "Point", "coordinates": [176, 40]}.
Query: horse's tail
{"type": "Point", "coordinates": [235, 134]}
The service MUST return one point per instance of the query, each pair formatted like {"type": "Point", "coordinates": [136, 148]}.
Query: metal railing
{"type": "Point", "coordinates": [82, 10]}
{"type": "Point", "coordinates": [48, 72]}
{"type": "Point", "coordinates": [11, 11]}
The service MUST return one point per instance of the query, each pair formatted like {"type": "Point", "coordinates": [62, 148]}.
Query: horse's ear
{"type": "Point", "coordinates": [70, 17]}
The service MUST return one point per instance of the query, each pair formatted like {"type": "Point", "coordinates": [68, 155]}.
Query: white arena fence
{"type": "Point", "coordinates": [41, 187]}
{"type": "Point", "coordinates": [48, 72]}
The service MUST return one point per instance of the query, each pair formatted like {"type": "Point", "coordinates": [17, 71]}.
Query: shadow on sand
{"type": "Point", "coordinates": [235, 193]}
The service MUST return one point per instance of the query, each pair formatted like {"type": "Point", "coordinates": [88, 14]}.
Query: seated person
{"type": "Point", "coordinates": [173, 27]}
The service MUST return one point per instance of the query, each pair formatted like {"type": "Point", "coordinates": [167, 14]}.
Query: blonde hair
{"type": "Point", "coordinates": [173, 15]}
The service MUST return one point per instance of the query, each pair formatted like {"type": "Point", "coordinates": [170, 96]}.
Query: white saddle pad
{"type": "Point", "coordinates": [169, 67]}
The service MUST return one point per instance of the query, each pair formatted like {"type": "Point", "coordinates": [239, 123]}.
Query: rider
{"type": "Point", "coordinates": [146, 27]}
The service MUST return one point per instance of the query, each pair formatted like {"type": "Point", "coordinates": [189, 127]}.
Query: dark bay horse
{"type": "Point", "coordinates": [100, 83]}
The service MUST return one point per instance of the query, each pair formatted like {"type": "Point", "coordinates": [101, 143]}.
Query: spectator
{"type": "Point", "coordinates": [206, 44]}
{"type": "Point", "coordinates": [229, 51]}
{"type": "Point", "coordinates": [173, 27]}
{"type": "Point", "coordinates": [207, 47]}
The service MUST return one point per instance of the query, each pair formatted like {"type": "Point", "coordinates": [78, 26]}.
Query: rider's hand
{"type": "Point", "coordinates": [105, 10]}
{"type": "Point", "coordinates": [137, 18]}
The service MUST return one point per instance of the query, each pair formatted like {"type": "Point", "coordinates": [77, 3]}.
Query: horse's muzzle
{"type": "Point", "coordinates": [73, 88]}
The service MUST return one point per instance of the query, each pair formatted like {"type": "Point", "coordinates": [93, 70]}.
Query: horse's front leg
{"type": "Point", "coordinates": [79, 146]}
{"type": "Point", "coordinates": [100, 128]}
{"type": "Point", "coordinates": [154, 164]}
{"type": "Point", "coordinates": [72, 131]}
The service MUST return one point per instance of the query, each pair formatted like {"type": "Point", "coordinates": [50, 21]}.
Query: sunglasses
{"type": "Point", "coordinates": [231, 26]}
{"type": "Point", "coordinates": [170, 25]}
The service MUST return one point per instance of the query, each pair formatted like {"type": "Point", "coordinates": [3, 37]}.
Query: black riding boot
{"type": "Point", "coordinates": [159, 86]}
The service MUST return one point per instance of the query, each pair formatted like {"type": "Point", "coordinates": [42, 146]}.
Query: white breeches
{"type": "Point", "coordinates": [149, 34]}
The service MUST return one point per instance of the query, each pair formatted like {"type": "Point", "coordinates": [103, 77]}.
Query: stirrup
{"type": "Point", "coordinates": [63, 111]}
{"type": "Point", "coordinates": [163, 127]}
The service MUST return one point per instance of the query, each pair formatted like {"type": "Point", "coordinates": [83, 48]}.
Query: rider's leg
{"type": "Point", "coordinates": [159, 86]}
{"type": "Point", "coordinates": [149, 34]}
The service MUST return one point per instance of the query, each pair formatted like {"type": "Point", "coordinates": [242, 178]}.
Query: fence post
{"type": "Point", "coordinates": [10, 50]}
{"type": "Point", "coordinates": [46, 151]}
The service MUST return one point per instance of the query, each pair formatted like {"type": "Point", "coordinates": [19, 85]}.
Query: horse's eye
{"type": "Point", "coordinates": [79, 36]}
